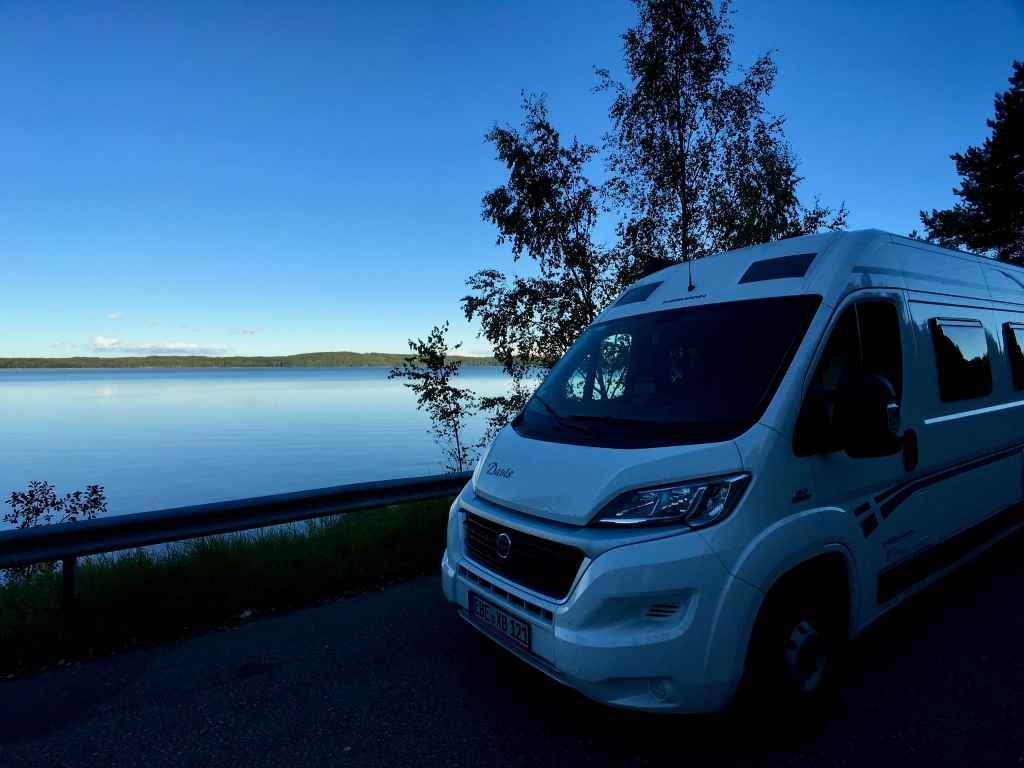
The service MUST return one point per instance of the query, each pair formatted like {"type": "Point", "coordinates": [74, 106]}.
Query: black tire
{"type": "Point", "coordinates": [795, 655]}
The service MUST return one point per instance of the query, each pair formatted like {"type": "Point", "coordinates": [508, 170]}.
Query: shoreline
{"type": "Point", "coordinates": [305, 360]}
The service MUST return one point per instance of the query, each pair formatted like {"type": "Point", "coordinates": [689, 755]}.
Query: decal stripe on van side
{"type": "Point", "coordinates": [896, 578]}
{"type": "Point", "coordinates": [975, 412]}
{"type": "Point", "coordinates": [918, 276]}
{"type": "Point", "coordinates": [900, 493]}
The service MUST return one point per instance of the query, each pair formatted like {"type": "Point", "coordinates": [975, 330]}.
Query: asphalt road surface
{"type": "Point", "coordinates": [397, 679]}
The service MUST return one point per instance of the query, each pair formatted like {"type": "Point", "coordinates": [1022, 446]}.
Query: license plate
{"type": "Point", "coordinates": [499, 622]}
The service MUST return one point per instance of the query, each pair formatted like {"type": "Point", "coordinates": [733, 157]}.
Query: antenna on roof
{"type": "Point", "coordinates": [689, 273]}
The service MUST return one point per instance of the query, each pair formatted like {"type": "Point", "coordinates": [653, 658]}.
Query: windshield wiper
{"type": "Point", "coordinates": [644, 424]}
{"type": "Point", "coordinates": [559, 419]}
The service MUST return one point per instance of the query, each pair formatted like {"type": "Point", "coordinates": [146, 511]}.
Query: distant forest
{"type": "Point", "coordinates": [308, 360]}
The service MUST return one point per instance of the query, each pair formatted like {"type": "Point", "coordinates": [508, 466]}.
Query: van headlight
{"type": "Point", "coordinates": [695, 504]}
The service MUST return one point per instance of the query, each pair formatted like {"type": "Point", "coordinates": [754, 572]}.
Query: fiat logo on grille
{"type": "Point", "coordinates": [504, 545]}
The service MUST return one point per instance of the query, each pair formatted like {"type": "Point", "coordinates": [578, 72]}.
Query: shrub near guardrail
{"type": "Point", "coordinates": [147, 596]}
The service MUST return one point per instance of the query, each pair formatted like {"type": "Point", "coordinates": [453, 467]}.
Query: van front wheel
{"type": "Point", "coordinates": [806, 659]}
{"type": "Point", "coordinates": [794, 654]}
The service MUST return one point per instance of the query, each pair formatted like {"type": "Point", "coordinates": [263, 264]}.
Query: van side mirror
{"type": "Point", "coordinates": [866, 419]}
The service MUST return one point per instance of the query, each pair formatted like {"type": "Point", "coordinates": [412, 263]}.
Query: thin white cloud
{"type": "Point", "coordinates": [114, 316]}
{"type": "Point", "coordinates": [62, 344]}
{"type": "Point", "coordinates": [157, 322]}
{"type": "Point", "coordinates": [55, 310]}
{"type": "Point", "coordinates": [254, 329]}
{"type": "Point", "coordinates": [101, 344]}
{"type": "Point", "coordinates": [91, 317]}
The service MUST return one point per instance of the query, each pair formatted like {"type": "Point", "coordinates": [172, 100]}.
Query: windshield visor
{"type": "Point", "coordinates": [692, 375]}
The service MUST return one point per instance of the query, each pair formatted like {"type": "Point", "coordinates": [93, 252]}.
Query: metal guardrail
{"type": "Point", "coordinates": [68, 541]}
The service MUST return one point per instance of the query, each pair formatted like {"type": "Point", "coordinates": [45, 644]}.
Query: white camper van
{"type": "Point", "coordinates": [726, 479]}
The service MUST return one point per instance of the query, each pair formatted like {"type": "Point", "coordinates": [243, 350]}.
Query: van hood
{"type": "Point", "coordinates": [571, 483]}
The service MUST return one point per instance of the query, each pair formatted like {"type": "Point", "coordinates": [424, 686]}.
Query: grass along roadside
{"type": "Point", "coordinates": [146, 596]}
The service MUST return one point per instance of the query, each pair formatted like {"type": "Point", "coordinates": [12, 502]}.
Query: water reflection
{"type": "Point", "coordinates": [163, 438]}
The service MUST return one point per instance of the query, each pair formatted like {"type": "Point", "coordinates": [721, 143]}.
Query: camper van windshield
{"type": "Point", "coordinates": [698, 374]}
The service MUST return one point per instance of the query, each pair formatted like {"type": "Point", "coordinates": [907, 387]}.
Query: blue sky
{"type": "Point", "coordinates": [274, 178]}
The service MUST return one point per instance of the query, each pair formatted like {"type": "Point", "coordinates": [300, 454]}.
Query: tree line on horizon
{"type": "Point", "coordinates": [694, 164]}
{"type": "Point", "coordinates": [305, 360]}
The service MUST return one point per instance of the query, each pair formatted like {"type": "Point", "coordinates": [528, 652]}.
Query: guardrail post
{"type": "Point", "coordinates": [69, 567]}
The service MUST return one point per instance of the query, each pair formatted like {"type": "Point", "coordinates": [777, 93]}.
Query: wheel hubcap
{"type": "Point", "coordinates": [805, 658]}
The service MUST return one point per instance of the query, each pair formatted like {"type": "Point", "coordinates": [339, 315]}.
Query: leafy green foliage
{"type": "Point", "coordinates": [698, 165]}
{"type": "Point", "coordinates": [990, 218]}
{"type": "Point", "coordinates": [40, 504]}
{"type": "Point", "coordinates": [547, 210]}
{"type": "Point", "coordinates": [430, 372]}
{"type": "Point", "coordinates": [760, 205]}
{"type": "Point", "coordinates": [194, 586]}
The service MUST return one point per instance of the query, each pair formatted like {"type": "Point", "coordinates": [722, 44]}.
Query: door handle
{"type": "Point", "coordinates": [909, 450]}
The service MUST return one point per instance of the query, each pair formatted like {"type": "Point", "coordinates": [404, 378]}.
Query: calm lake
{"type": "Point", "coordinates": [162, 438]}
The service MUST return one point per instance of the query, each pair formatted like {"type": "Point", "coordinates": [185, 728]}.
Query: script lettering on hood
{"type": "Point", "coordinates": [494, 469]}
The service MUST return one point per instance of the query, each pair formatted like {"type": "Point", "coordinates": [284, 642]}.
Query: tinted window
{"type": "Point", "coordinates": [961, 353]}
{"type": "Point", "coordinates": [842, 352]}
{"type": "Point", "coordinates": [1014, 332]}
{"type": "Point", "coordinates": [881, 351]}
{"type": "Point", "coordinates": [865, 339]}
{"type": "Point", "coordinates": [695, 374]}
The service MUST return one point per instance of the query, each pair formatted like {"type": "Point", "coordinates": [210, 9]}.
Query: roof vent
{"type": "Point", "coordinates": [777, 269]}
{"type": "Point", "coordinates": [640, 293]}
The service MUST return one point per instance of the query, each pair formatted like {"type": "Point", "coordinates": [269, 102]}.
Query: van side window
{"type": "Point", "coordinates": [842, 352]}
{"type": "Point", "coordinates": [961, 354]}
{"type": "Point", "coordinates": [1014, 336]}
{"type": "Point", "coordinates": [865, 339]}
{"type": "Point", "coordinates": [880, 342]}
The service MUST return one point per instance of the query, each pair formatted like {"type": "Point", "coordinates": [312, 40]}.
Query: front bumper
{"type": "Point", "coordinates": [656, 625]}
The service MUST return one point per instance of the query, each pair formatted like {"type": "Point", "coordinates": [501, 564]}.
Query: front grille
{"type": "Point", "coordinates": [535, 563]}
{"type": "Point", "coordinates": [533, 608]}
